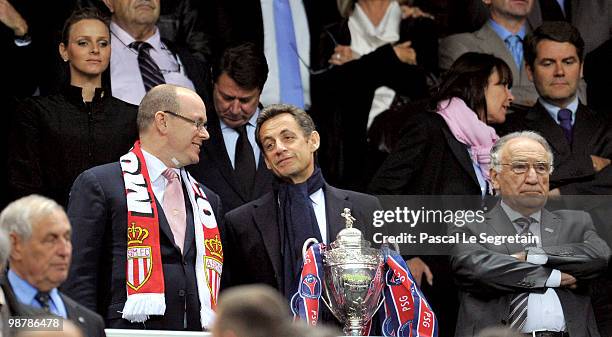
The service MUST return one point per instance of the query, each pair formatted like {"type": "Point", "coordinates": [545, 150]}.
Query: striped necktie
{"type": "Point", "coordinates": [150, 72]}
{"type": "Point", "coordinates": [518, 305]}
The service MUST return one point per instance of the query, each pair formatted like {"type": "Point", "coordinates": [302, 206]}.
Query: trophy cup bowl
{"type": "Point", "coordinates": [353, 279]}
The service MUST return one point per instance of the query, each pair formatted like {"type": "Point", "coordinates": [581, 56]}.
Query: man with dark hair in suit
{"type": "Point", "coordinates": [267, 234]}
{"type": "Point", "coordinates": [142, 59]}
{"type": "Point", "coordinates": [39, 231]}
{"type": "Point", "coordinates": [149, 254]}
{"type": "Point", "coordinates": [580, 138]}
{"type": "Point", "coordinates": [231, 164]}
{"type": "Point", "coordinates": [533, 279]}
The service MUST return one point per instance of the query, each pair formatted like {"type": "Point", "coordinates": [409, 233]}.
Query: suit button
{"type": "Point", "coordinates": [181, 293]}
{"type": "Point", "coordinates": [503, 321]}
{"type": "Point", "coordinates": [184, 262]}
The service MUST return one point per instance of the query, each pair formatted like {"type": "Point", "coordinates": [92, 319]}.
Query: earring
{"type": "Point", "coordinates": [65, 60]}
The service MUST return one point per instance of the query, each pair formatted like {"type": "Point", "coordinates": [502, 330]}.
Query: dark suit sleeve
{"type": "Point", "coordinates": [25, 176]}
{"type": "Point", "coordinates": [88, 215]}
{"type": "Point", "coordinates": [585, 260]}
{"type": "Point", "coordinates": [482, 271]}
{"type": "Point", "coordinates": [401, 165]}
{"type": "Point", "coordinates": [229, 258]}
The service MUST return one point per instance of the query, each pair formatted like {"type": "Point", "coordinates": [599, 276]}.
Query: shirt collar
{"type": "Point", "coordinates": [503, 33]}
{"type": "Point", "coordinates": [553, 110]}
{"type": "Point", "coordinates": [513, 215]}
{"type": "Point", "coordinates": [252, 121]}
{"type": "Point", "coordinates": [317, 197]}
{"type": "Point", "coordinates": [126, 38]}
{"type": "Point", "coordinates": [25, 292]}
{"type": "Point", "coordinates": [155, 166]}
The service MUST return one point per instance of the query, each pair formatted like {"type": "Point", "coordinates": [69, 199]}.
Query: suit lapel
{"type": "Point", "coordinates": [500, 222]}
{"type": "Point", "coordinates": [539, 119]}
{"type": "Point", "coordinates": [335, 202]}
{"type": "Point", "coordinates": [583, 129]}
{"type": "Point", "coordinates": [222, 160]}
{"type": "Point", "coordinates": [461, 153]}
{"type": "Point", "coordinates": [266, 220]}
{"type": "Point", "coordinates": [549, 228]}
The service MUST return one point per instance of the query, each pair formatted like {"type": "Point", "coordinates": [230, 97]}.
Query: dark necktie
{"type": "Point", "coordinates": [565, 120]}
{"type": "Point", "coordinates": [244, 161]}
{"type": "Point", "coordinates": [43, 298]}
{"type": "Point", "coordinates": [151, 75]}
{"type": "Point", "coordinates": [518, 305]}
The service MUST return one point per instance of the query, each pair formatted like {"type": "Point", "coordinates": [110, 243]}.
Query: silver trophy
{"type": "Point", "coordinates": [353, 278]}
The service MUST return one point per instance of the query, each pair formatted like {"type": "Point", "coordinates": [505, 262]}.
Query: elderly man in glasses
{"type": "Point", "coordinates": [524, 266]}
{"type": "Point", "coordinates": [147, 249]}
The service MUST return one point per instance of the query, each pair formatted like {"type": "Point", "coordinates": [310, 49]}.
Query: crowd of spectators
{"type": "Point", "coordinates": [408, 98]}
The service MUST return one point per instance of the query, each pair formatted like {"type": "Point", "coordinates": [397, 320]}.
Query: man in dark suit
{"type": "Point", "coordinates": [533, 279]}
{"type": "Point", "coordinates": [40, 258]}
{"type": "Point", "coordinates": [266, 235]}
{"type": "Point", "coordinates": [580, 138]}
{"type": "Point", "coordinates": [231, 164]}
{"type": "Point", "coordinates": [172, 127]}
{"type": "Point", "coordinates": [142, 59]}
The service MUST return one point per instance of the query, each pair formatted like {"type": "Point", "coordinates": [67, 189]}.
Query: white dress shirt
{"type": "Point", "coordinates": [544, 311]}
{"type": "Point", "coordinates": [318, 204]}
{"type": "Point", "coordinates": [271, 90]}
{"type": "Point", "coordinates": [126, 80]}
{"type": "Point", "coordinates": [156, 167]}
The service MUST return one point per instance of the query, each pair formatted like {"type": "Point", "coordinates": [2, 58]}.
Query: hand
{"type": "Point", "coordinates": [405, 53]}
{"type": "Point", "coordinates": [12, 19]}
{"type": "Point", "coordinates": [521, 256]}
{"type": "Point", "coordinates": [418, 268]}
{"type": "Point", "coordinates": [414, 12]}
{"type": "Point", "coordinates": [342, 54]}
{"type": "Point", "coordinates": [599, 163]}
{"type": "Point", "coordinates": [568, 281]}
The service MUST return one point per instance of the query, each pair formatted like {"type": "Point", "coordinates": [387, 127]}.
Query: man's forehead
{"type": "Point", "coordinates": [524, 148]}
{"type": "Point", "coordinates": [553, 49]}
{"type": "Point", "coordinates": [50, 222]}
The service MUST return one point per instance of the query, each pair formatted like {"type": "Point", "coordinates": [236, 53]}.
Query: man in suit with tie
{"type": "Point", "coordinates": [142, 59]}
{"type": "Point", "coordinates": [148, 251]}
{"type": "Point", "coordinates": [502, 35]}
{"type": "Point", "coordinates": [39, 232]}
{"type": "Point", "coordinates": [231, 164]}
{"type": "Point", "coordinates": [580, 138]}
{"type": "Point", "coordinates": [267, 234]}
{"type": "Point", "coordinates": [534, 278]}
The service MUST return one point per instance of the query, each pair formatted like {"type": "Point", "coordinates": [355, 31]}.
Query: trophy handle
{"type": "Point", "coordinates": [307, 244]}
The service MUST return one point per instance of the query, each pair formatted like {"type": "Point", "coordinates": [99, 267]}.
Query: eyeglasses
{"type": "Point", "coordinates": [521, 167]}
{"type": "Point", "coordinates": [307, 65]}
{"type": "Point", "coordinates": [200, 125]}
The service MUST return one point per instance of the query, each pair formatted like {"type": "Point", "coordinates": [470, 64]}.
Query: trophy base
{"type": "Point", "coordinates": [354, 327]}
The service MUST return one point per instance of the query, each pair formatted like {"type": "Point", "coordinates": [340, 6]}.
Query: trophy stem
{"type": "Point", "coordinates": [353, 327]}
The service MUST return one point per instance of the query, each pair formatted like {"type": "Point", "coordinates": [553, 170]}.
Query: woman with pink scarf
{"type": "Point", "coordinates": [445, 151]}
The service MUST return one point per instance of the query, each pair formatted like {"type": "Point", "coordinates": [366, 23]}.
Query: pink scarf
{"type": "Point", "coordinates": [469, 130]}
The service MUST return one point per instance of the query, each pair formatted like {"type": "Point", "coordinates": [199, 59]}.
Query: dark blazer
{"type": "Point", "coordinates": [597, 72]}
{"type": "Point", "coordinates": [98, 213]}
{"type": "Point", "coordinates": [216, 171]}
{"type": "Point", "coordinates": [428, 160]}
{"type": "Point", "coordinates": [489, 276]}
{"type": "Point", "coordinates": [252, 232]}
{"type": "Point", "coordinates": [573, 168]}
{"type": "Point", "coordinates": [88, 321]}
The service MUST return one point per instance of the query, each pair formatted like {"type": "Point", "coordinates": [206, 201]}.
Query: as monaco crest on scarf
{"type": "Point", "coordinates": [213, 265]}
{"type": "Point", "coordinates": [139, 263]}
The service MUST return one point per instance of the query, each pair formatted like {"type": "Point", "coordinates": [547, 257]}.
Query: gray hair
{"type": "Point", "coordinates": [161, 98]}
{"type": "Point", "coordinates": [301, 117]}
{"type": "Point", "coordinates": [5, 249]}
{"type": "Point", "coordinates": [20, 214]}
{"type": "Point", "coordinates": [496, 163]}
